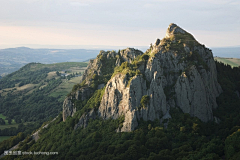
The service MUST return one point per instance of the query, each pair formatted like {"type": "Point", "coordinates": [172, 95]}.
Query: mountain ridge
{"type": "Point", "coordinates": [175, 71]}
{"type": "Point", "coordinates": [89, 131]}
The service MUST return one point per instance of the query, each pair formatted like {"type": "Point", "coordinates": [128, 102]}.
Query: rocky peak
{"type": "Point", "coordinates": [176, 71]}
{"type": "Point", "coordinates": [173, 29]}
{"type": "Point", "coordinates": [129, 54]}
{"type": "Point", "coordinates": [97, 74]}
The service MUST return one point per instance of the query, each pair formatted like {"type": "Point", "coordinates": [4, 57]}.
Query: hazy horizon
{"type": "Point", "coordinates": [87, 47]}
{"type": "Point", "coordinates": [92, 23]}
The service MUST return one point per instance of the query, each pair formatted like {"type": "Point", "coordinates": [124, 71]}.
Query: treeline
{"type": "Point", "coordinates": [2, 121]}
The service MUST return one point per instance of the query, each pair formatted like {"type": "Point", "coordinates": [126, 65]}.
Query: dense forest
{"type": "Point", "coordinates": [185, 138]}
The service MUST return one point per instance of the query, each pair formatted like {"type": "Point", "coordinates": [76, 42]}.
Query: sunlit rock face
{"type": "Point", "coordinates": [178, 72]}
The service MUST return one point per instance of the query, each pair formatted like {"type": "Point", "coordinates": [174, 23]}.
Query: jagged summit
{"type": "Point", "coordinates": [176, 40]}
{"type": "Point", "coordinates": [174, 29]}
{"type": "Point", "coordinates": [176, 71]}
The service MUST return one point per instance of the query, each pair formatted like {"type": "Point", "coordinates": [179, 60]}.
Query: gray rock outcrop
{"type": "Point", "coordinates": [178, 72]}
{"type": "Point", "coordinates": [68, 108]}
{"type": "Point", "coordinates": [98, 67]}
{"type": "Point", "coordinates": [193, 96]}
{"type": "Point", "coordinates": [83, 93]}
{"type": "Point", "coordinates": [84, 119]}
{"type": "Point", "coordinates": [129, 54]}
{"type": "Point", "coordinates": [121, 99]}
{"type": "Point", "coordinates": [173, 29]}
{"type": "Point", "coordinates": [192, 88]}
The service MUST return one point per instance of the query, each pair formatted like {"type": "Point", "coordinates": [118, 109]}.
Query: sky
{"type": "Point", "coordinates": [130, 23]}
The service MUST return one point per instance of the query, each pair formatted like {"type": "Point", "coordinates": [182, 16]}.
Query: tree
{"type": "Point", "coordinates": [18, 119]}
{"type": "Point", "coordinates": [195, 127]}
{"type": "Point", "coordinates": [9, 120]}
{"type": "Point", "coordinates": [58, 74]}
{"type": "Point", "coordinates": [2, 122]}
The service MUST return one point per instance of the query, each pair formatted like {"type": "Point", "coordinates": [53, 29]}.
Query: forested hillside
{"type": "Point", "coordinates": [171, 102]}
{"type": "Point", "coordinates": [34, 94]}
{"type": "Point", "coordinates": [184, 138]}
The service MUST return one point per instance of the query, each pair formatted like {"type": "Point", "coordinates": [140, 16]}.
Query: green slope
{"type": "Point", "coordinates": [35, 93]}
{"type": "Point", "coordinates": [186, 138]}
{"type": "Point", "coordinates": [233, 62]}
{"type": "Point", "coordinates": [34, 73]}
{"type": "Point", "coordinates": [2, 138]}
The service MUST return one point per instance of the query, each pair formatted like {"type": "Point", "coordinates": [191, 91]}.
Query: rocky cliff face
{"type": "Point", "coordinates": [68, 108]}
{"type": "Point", "coordinates": [96, 75]}
{"type": "Point", "coordinates": [176, 71]}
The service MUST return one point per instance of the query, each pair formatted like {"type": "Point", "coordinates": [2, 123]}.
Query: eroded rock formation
{"type": "Point", "coordinates": [176, 71]}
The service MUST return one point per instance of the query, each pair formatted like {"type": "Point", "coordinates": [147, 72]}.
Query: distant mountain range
{"type": "Point", "coordinates": [11, 59]}
{"type": "Point", "coordinates": [227, 52]}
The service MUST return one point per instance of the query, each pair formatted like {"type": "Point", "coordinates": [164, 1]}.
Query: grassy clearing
{"type": "Point", "coordinates": [8, 126]}
{"type": "Point", "coordinates": [77, 69]}
{"type": "Point", "coordinates": [66, 86]}
{"type": "Point", "coordinates": [62, 66]}
{"type": "Point", "coordinates": [51, 75]}
{"type": "Point", "coordinates": [2, 116]}
{"type": "Point", "coordinates": [65, 64]}
{"type": "Point", "coordinates": [75, 80]}
{"type": "Point", "coordinates": [14, 124]}
{"type": "Point", "coordinates": [62, 90]}
{"type": "Point", "coordinates": [2, 138]}
{"type": "Point", "coordinates": [234, 62]}
{"type": "Point", "coordinates": [26, 87]}
{"type": "Point", "coordinates": [7, 89]}
{"type": "Point", "coordinates": [41, 87]}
